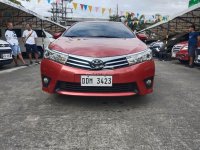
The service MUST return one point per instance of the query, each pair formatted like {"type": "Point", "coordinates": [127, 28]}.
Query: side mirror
{"type": "Point", "coordinates": [57, 35]}
{"type": "Point", "coordinates": [142, 37]}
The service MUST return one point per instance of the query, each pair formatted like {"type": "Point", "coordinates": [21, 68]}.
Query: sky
{"type": "Point", "coordinates": [146, 7]}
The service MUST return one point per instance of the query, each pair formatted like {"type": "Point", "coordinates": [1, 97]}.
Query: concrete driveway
{"type": "Point", "coordinates": [168, 119]}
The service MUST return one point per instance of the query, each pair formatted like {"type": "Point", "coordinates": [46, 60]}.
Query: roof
{"type": "Point", "coordinates": [177, 23]}
{"type": "Point", "coordinates": [20, 16]}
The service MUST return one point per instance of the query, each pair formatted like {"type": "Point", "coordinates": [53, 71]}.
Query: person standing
{"type": "Point", "coordinates": [192, 45]}
{"type": "Point", "coordinates": [29, 38]}
{"type": "Point", "coordinates": [11, 38]}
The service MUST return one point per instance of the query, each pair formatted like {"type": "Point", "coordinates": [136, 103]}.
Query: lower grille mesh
{"type": "Point", "coordinates": [76, 87]}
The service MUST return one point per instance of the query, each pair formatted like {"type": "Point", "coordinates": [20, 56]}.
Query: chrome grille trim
{"type": "Point", "coordinates": [109, 62]}
{"type": "Point", "coordinates": [176, 48]}
{"type": "Point", "coordinates": [78, 61]}
{"type": "Point", "coordinates": [78, 65]}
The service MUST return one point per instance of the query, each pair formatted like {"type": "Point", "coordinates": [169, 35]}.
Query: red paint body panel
{"type": "Point", "coordinates": [98, 47]}
{"type": "Point", "coordinates": [136, 73]}
{"type": "Point", "coordinates": [183, 53]}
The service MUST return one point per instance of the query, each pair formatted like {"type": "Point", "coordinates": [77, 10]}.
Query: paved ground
{"type": "Point", "coordinates": [168, 119]}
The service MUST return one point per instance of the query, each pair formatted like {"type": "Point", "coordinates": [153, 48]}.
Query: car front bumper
{"type": "Point", "coordinates": [4, 62]}
{"type": "Point", "coordinates": [182, 56]}
{"type": "Point", "coordinates": [127, 81]}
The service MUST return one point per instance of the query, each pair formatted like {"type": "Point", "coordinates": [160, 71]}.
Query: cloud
{"type": "Point", "coordinates": [147, 7]}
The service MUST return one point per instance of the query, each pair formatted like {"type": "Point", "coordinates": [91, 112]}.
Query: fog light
{"type": "Point", "coordinates": [148, 83]}
{"type": "Point", "coordinates": [46, 81]}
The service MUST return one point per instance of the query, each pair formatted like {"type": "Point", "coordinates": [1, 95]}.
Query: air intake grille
{"type": "Point", "coordinates": [76, 87]}
{"type": "Point", "coordinates": [112, 63]}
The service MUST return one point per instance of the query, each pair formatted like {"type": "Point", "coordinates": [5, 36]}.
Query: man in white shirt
{"type": "Point", "coordinates": [11, 38]}
{"type": "Point", "coordinates": [29, 37]}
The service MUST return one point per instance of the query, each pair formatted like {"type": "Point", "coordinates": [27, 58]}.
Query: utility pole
{"type": "Point", "coordinates": [117, 10]}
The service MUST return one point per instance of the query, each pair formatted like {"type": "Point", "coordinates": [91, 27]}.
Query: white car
{"type": "Point", "coordinates": [5, 53]}
{"type": "Point", "coordinates": [43, 40]}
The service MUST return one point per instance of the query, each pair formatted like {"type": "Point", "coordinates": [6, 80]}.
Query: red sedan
{"type": "Point", "coordinates": [98, 59]}
{"type": "Point", "coordinates": [182, 54]}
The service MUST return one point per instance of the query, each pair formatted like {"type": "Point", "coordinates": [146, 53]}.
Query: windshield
{"type": "Point", "coordinates": [99, 29]}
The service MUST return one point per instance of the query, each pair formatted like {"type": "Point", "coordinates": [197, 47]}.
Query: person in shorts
{"type": "Point", "coordinates": [11, 38]}
{"type": "Point", "coordinates": [29, 38]}
{"type": "Point", "coordinates": [192, 45]}
{"type": "Point", "coordinates": [198, 49]}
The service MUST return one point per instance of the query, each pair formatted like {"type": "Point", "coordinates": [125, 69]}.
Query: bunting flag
{"type": "Point", "coordinates": [82, 6]}
{"type": "Point", "coordinates": [103, 10]}
{"type": "Point", "coordinates": [75, 5]}
{"type": "Point", "coordinates": [49, 1]}
{"type": "Point", "coordinates": [90, 8]}
{"type": "Point", "coordinates": [39, 1]}
{"type": "Point", "coordinates": [96, 9]}
{"type": "Point", "coordinates": [57, 1]}
{"type": "Point", "coordinates": [85, 7]}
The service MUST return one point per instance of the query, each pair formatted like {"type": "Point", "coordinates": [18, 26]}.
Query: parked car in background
{"type": "Point", "coordinates": [180, 52]}
{"type": "Point", "coordinates": [173, 41]}
{"type": "Point", "coordinates": [5, 53]}
{"type": "Point", "coordinates": [155, 47]}
{"type": "Point", "coordinates": [98, 59]}
{"type": "Point", "coordinates": [43, 40]}
{"type": "Point", "coordinates": [142, 36]}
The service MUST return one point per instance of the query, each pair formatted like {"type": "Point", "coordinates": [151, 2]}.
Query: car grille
{"type": "Point", "coordinates": [4, 51]}
{"type": "Point", "coordinates": [76, 87]}
{"type": "Point", "coordinates": [85, 63]}
{"type": "Point", "coordinates": [4, 45]}
{"type": "Point", "coordinates": [177, 48]}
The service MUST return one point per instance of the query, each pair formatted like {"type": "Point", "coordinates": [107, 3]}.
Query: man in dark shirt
{"type": "Point", "coordinates": [192, 45]}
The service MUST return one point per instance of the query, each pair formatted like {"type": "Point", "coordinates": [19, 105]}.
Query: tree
{"type": "Point", "coordinates": [17, 2]}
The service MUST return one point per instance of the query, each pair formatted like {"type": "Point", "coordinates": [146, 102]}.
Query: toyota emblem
{"type": "Point", "coordinates": [97, 64]}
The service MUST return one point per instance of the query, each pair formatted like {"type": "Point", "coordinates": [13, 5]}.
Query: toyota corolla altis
{"type": "Point", "coordinates": [98, 59]}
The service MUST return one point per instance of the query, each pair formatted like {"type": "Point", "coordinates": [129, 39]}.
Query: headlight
{"type": "Point", "coordinates": [185, 48]}
{"type": "Point", "coordinates": [139, 57]}
{"type": "Point", "coordinates": [55, 56]}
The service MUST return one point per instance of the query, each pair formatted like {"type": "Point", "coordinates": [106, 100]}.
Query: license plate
{"type": "Point", "coordinates": [198, 57]}
{"type": "Point", "coordinates": [6, 56]}
{"type": "Point", "coordinates": [101, 81]}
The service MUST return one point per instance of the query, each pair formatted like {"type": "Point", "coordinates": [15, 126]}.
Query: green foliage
{"type": "Point", "coordinates": [17, 2]}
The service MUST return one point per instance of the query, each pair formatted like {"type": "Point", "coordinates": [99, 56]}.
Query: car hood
{"type": "Point", "coordinates": [183, 43]}
{"type": "Point", "coordinates": [98, 47]}
{"type": "Point", "coordinates": [3, 42]}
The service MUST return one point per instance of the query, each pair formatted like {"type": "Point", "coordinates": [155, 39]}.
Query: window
{"type": "Point", "coordinates": [99, 30]}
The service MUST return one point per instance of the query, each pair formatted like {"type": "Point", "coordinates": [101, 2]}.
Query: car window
{"type": "Point", "coordinates": [40, 33]}
{"type": "Point", "coordinates": [99, 29]}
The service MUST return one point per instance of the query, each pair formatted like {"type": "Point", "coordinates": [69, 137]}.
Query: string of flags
{"type": "Point", "coordinates": [110, 11]}
{"type": "Point", "coordinates": [91, 8]}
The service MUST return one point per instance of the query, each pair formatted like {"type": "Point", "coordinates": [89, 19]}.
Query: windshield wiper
{"type": "Point", "coordinates": [105, 36]}
{"type": "Point", "coordinates": [71, 36]}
